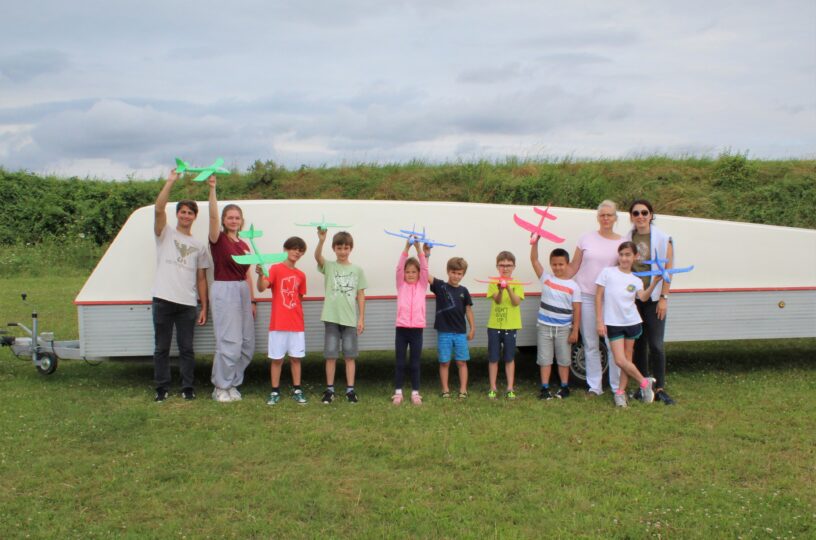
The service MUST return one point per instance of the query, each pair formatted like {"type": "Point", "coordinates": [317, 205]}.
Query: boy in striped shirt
{"type": "Point", "coordinates": [559, 318]}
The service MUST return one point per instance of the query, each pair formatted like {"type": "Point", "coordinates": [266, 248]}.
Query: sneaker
{"type": "Point", "coordinates": [648, 392]}
{"type": "Point", "coordinates": [562, 393]}
{"type": "Point", "coordinates": [220, 395]}
{"type": "Point", "coordinates": [620, 400]}
{"type": "Point", "coordinates": [661, 395]}
{"type": "Point", "coordinates": [492, 394]}
{"type": "Point", "coordinates": [463, 395]}
{"type": "Point", "coordinates": [234, 394]}
{"type": "Point", "coordinates": [637, 394]}
{"type": "Point", "coordinates": [351, 397]}
{"type": "Point", "coordinates": [445, 395]}
{"type": "Point", "coordinates": [188, 394]}
{"type": "Point", "coordinates": [510, 394]}
{"type": "Point", "coordinates": [299, 397]}
{"type": "Point", "coordinates": [396, 399]}
{"type": "Point", "coordinates": [274, 398]}
{"type": "Point", "coordinates": [328, 397]}
{"type": "Point", "coordinates": [416, 399]}
{"type": "Point", "coordinates": [545, 394]}
{"type": "Point", "coordinates": [161, 395]}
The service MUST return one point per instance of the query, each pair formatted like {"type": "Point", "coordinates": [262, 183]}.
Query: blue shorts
{"type": "Point", "coordinates": [501, 344]}
{"type": "Point", "coordinates": [449, 344]}
{"type": "Point", "coordinates": [624, 332]}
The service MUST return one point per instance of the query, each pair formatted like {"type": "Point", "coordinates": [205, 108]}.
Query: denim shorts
{"type": "Point", "coordinates": [501, 344]}
{"type": "Point", "coordinates": [337, 333]}
{"type": "Point", "coordinates": [449, 344]}
{"type": "Point", "coordinates": [624, 332]}
{"type": "Point", "coordinates": [553, 341]}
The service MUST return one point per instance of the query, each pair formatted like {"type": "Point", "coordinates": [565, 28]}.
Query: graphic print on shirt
{"type": "Point", "coordinates": [449, 302]}
{"type": "Point", "coordinates": [345, 284]}
{"type": "Point", "coordinates": [630, 288]}
{"type": "Point", "coordinates": [184, 250]}
{"type": "Point", "coordinates": [289, 291]}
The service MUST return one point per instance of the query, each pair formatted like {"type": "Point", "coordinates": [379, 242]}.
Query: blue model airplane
{"type": "Point", "coordinates": [257, 257]}
{"type": "Point", "coordinates": [205, 172]}
{"type": "Point", "coordinates": [662, 271]}
{"type": "Point", "coordinates": [415, 236]}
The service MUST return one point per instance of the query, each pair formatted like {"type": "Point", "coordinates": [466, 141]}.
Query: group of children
{"type": "Point", "coordinates": [343, 315]}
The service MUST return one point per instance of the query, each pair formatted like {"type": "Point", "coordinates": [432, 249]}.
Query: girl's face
{"type": "Point", "coordinates": [626, 257]}
{"type": "Point", "coordinates": [641, 216]}
{"type": "Point", "coordinates": [411, 274]}
{"type": "Point", "coordinates": [607, 218]}
{"type": "Point", "coordinates": [233, 221]}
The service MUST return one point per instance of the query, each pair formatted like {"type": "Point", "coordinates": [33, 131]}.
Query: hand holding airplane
{"type": "Point", "coordinates": [503, 283]}
{"type": "Point", "coordinates": [538, 231]}
{"type": "Point", "coordinates": [662, 271]}
{"type": "Point", "coordinates": [205, 172]}
{"type": "Point", "coordinates": [415, 236]}
{"type": "Point", "coordinates": [257, 257]}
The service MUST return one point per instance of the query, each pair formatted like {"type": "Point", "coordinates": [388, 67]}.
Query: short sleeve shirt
{"type": "Point", "coordinates": [342, 281]}
{"type": "Point", "coordinates": [451, 306]}
{"type": "Point", "coordinates": [598, 253]}
{"type": "Point", "coordinates": [557, 297]}
{"type": "Point", "coordinates": [288, 285]}
{"type": "Point", "coordinates": [504, 315]}
{"type": "Point", "coordinates": [178, 257]}
{"type": "Point", "coordinates": [225, 268]}
{"type": "Point", "coordinates": [619, 297]}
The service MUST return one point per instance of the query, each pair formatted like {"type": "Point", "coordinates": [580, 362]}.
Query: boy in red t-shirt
{"type": "Point", "coordinates": [286, 327]}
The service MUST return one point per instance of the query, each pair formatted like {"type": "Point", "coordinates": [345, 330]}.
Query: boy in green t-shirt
{"type": "Point", "coordinates": [503, 323]}
{"type": "Point", "coordinates": [343, 309]}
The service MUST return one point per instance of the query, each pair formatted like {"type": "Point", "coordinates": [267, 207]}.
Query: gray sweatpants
{"type": "Point", "coordinates": [234, 330]}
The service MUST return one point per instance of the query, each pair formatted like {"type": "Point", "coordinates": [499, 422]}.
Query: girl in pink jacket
{"type": "Point", "coordinates": [412, 284]}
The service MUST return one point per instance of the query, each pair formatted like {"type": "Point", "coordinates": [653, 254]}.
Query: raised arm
{"type": "Point", "coordinates": [261, 284]}
{"type": "Point", "coordinates": [160, 218]}
{"type": "Point", "coordinates": [215, 222]}
{"type": "Point", "coordinates": [537, 268]}
{"type": "Point", "coordinates": [426, 249]}
{"type": "Point", "coordinates": [318, 254]}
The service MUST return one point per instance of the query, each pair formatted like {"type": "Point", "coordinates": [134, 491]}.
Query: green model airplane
{"type": "Point", "coordinates": [205, 172]}
{"type": "Point", "coordinates": [257, 257]}
{"type": "Point", "coordinates": [322, 224]}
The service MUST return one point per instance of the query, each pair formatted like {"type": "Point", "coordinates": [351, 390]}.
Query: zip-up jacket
{"type": "Point", "coordinates": [411, 296]}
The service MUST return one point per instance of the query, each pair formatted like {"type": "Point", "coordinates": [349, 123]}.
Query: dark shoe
{"type": "Point", "coordinates": [188, 394]}
{"type": "Point", "coordinates": [328, 397]}
{"type": "Point", "coordinates": [351, 397]}
{"type": "Point", "coordinates": [661, 395]}
{"type": "Point", "coordinates": [545, 394]}
{"type": "Point", "coordinates": [562, 393]}
{"type": "Point", "coordinates": [161, 395]}
{"type": "Point", "coordinates": [636, 395]}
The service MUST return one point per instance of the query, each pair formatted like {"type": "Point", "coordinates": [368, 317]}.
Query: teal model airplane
{"type": "Point", "coordinates": [322, 224]}
{"type": "Point", "coordinates": [205, 172]}
{"type": "Point", "coordinates": [257, 257]}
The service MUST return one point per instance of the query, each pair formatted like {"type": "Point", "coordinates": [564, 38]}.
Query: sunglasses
{"type": "Point", "coordinates": [638, 213]}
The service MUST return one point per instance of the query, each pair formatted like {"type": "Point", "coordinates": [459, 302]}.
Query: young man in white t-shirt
{"type": "Point", "coordinates": [180, 283]}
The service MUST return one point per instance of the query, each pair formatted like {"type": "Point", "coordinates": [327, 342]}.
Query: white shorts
{"type": "Point", "coordinates": [283, 343]}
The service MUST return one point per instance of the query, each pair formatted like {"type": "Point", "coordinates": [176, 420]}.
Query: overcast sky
{"type": "Point", "coordinates": [114, 89]}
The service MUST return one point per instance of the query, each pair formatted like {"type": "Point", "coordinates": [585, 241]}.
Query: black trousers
{"type": "Point", "coordinates": [405, 338]}
{"type": "Point", "coordinates": [649, 355]}
{"type": "Point", "coordinates": [166, 315]}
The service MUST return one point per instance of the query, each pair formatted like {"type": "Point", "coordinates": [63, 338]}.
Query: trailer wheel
{"type": "Point", "coordinates": [48, 363]}
{"type": "Point", "coordinates": [578, 360]}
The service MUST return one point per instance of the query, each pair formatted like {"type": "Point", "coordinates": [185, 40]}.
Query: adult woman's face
{"type": "Point", "coordinates": [233, 221]}
{"type": "Point", "coordinates": [607, 218]}
{"type": "Point", "coordinates": [641, 216]}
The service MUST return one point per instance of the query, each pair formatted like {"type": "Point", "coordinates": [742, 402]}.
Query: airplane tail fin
{"type": "Point", "coordinates": [251, 233]}
{"type": "Point", "coordinates": [544, 213]}
{"type": "Point", "coordinates": [181, 165]}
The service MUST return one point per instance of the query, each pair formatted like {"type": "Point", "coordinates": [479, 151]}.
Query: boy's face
{"type": "Point", "coordinates": [558, 265]}
{"type": "Point", "coordinates": [185, 216]}
{"type": "Point", "coordinates": [506, 268]}
{"type": "Point", "coordinates": [342, 251]}
{"type": "Point", "coordinates": [294, 255]}
{"type": "Point", "coordinates": [455, 276]}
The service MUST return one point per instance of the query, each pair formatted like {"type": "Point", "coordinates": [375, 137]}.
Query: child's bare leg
{"type": "Point", "coordinates": [463, 376]}
{"type": "Point", "coordinates": [443, 376]}
{"type": "Point", "coordinates": [294, 366]}
{"type": "Point", "coordinates": [510, 373]}
{"type": "Point", "coordinates": [351, 369]}
{"type": "Point", "coordinates": [331, 366]}
{"type": "Point", "coordinates": [625, 362]}
{"type": "Point", "coordinates": [492, 374]}
{"type": "Point", "coordinates": [275, 372]}
{"type": "Point", "coordinates": [545, 374]}
{"type": "Point", "coordinates": [563, 374]}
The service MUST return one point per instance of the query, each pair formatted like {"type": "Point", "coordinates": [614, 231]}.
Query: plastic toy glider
{"type": "Point", "coordinates": [538, 231]}
{"type": "Point", "coordinates": [257, 257]}
{"type": "Point", "coordinates": [416, 236]}
{"type": "Point", "coordinates": [205, 172]}
{"type": "Point", "coordinates": [503, 282]}
{"type": "Point", "coordinates": [322, 224]}
{"type": "Point", "coordinates": [662, 271]}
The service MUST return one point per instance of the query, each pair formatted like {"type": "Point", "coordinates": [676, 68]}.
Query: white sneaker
{"type": "Point", "coordinates": [221, 395]}
{"type": "Point", "coordinates": [620, 400]}
{"type": "Point", "coordinates": [234, 394]}
{"type": "Point", "coordinates": [648, 392]}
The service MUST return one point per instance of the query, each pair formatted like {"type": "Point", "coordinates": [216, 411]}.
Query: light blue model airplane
{"type": "Point", "coordinates": [662, 271]}
{"type": "Point", "coordinates": [205, 172]}
{"type": "Point", "coordinates": [415, 236]}
{"type": "Point", "coordinates": [257, 257]}
{"type": "Point", "coordinates": [322, 224]}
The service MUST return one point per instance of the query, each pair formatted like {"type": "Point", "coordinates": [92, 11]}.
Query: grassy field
{"type": "Point", "coordinates": [86, 453]}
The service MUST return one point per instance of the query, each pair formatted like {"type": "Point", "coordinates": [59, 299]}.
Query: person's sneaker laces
{"type": "Point", "coordinates": [620, 400]}
{"type": "Point", "coordinates": [234, 394]}
{"type": "Point", "coordinates": [328, 397]}
{"type": "Point", "coordinates": [351, 396]}
{"type": "Point", "coordinates": [188, 394]}
{"type": "Point", "coordinates": [273, 399]}
{"type": "Point", "coordinates": [492, 394]}
{"type": "Point", "coordinates": [510, 394]}
{"type": "Point", "coordinates": [545, 394]}
{"type": "Point", "coordinates": [299, 397]}
{"type": "Point", "coordinates": [161, 395]}
{"type": "Point", "coordinates": [562, 393]}
{"type": "Point", "coordinates": [661, 395]}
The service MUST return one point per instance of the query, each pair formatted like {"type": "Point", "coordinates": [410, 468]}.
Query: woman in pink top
{"type": "Point", "coordinates": [412, 283]}
{"type": "Point", "coordinates": [595, 251]}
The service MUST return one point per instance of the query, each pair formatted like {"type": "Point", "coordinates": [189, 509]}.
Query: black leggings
{"type": "Point", "coordinates": [649, 356]}
{"type": "Point", "coordinates": [406, 337]}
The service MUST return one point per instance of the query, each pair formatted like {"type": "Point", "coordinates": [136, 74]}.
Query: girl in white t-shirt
{"type": "Point", "coordinates": [618, 318]}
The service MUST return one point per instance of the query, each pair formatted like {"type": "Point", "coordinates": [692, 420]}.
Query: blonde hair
{"type": "Point", "coordinates": [606, 203]}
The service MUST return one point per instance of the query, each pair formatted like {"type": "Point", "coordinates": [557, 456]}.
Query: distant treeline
{"type": "Point", "coordinates": [34, 209]}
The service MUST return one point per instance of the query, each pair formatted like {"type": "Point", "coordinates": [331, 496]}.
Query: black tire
{"type": "Point", "coordinates": [48, 363]}
{"type": "Point", "coordinates": [578, 360]}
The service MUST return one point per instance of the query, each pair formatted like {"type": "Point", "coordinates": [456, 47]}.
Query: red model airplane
{"type": "Point", "coordinates": [503, 282]}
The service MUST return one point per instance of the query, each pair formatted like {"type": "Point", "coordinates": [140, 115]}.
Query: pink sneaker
{"type": "Point", "coordinates": [416, 399]}
{"type": "Point", "coordinates": [396, 399]}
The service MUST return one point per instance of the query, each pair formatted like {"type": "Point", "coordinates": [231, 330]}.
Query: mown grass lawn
{"type": "Point", "coordinates": [85, 452]}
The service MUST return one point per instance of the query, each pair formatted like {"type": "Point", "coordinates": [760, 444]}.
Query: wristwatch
{"type": "Point", "coordinates": [664, 296]}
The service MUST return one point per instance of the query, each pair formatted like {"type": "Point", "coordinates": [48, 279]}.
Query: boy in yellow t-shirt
{"type": "Point", "coordinates": [503, 324]}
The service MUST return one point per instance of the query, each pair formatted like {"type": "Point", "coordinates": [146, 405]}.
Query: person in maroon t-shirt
{"type": "Point", "coordinates": [233, 307]}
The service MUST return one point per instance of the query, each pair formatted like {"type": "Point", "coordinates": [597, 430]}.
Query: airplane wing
{"type": "Point", "coordinates": [205, 173]}
{"type": "Point", "coordinates": [680, 270]}
{"type": "Point", "coordinates": [648, 273]}
{"type": "Point", "coordinates": [535, 230]}
{"type": "Point", "coordinates": [545, 213]}
{"type": "Point", "coordinates": [252, 258]}
{"type": "Point", "coordinates": [398, 235]}
{"type": "Point", "coordinates": [432, 244]}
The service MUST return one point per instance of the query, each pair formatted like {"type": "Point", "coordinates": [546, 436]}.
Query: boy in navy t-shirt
{"type": "Point", "coordinates": [454, 313]}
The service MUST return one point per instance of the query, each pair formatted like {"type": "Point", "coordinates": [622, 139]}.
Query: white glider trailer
{"type": "Point", "coordinates": [741, 288]}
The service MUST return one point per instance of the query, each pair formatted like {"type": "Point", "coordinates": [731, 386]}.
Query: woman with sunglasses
{"type": "Point", "coordinates": [649, 355]}
{"type": "Point", "coordinates": [596, 250]}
